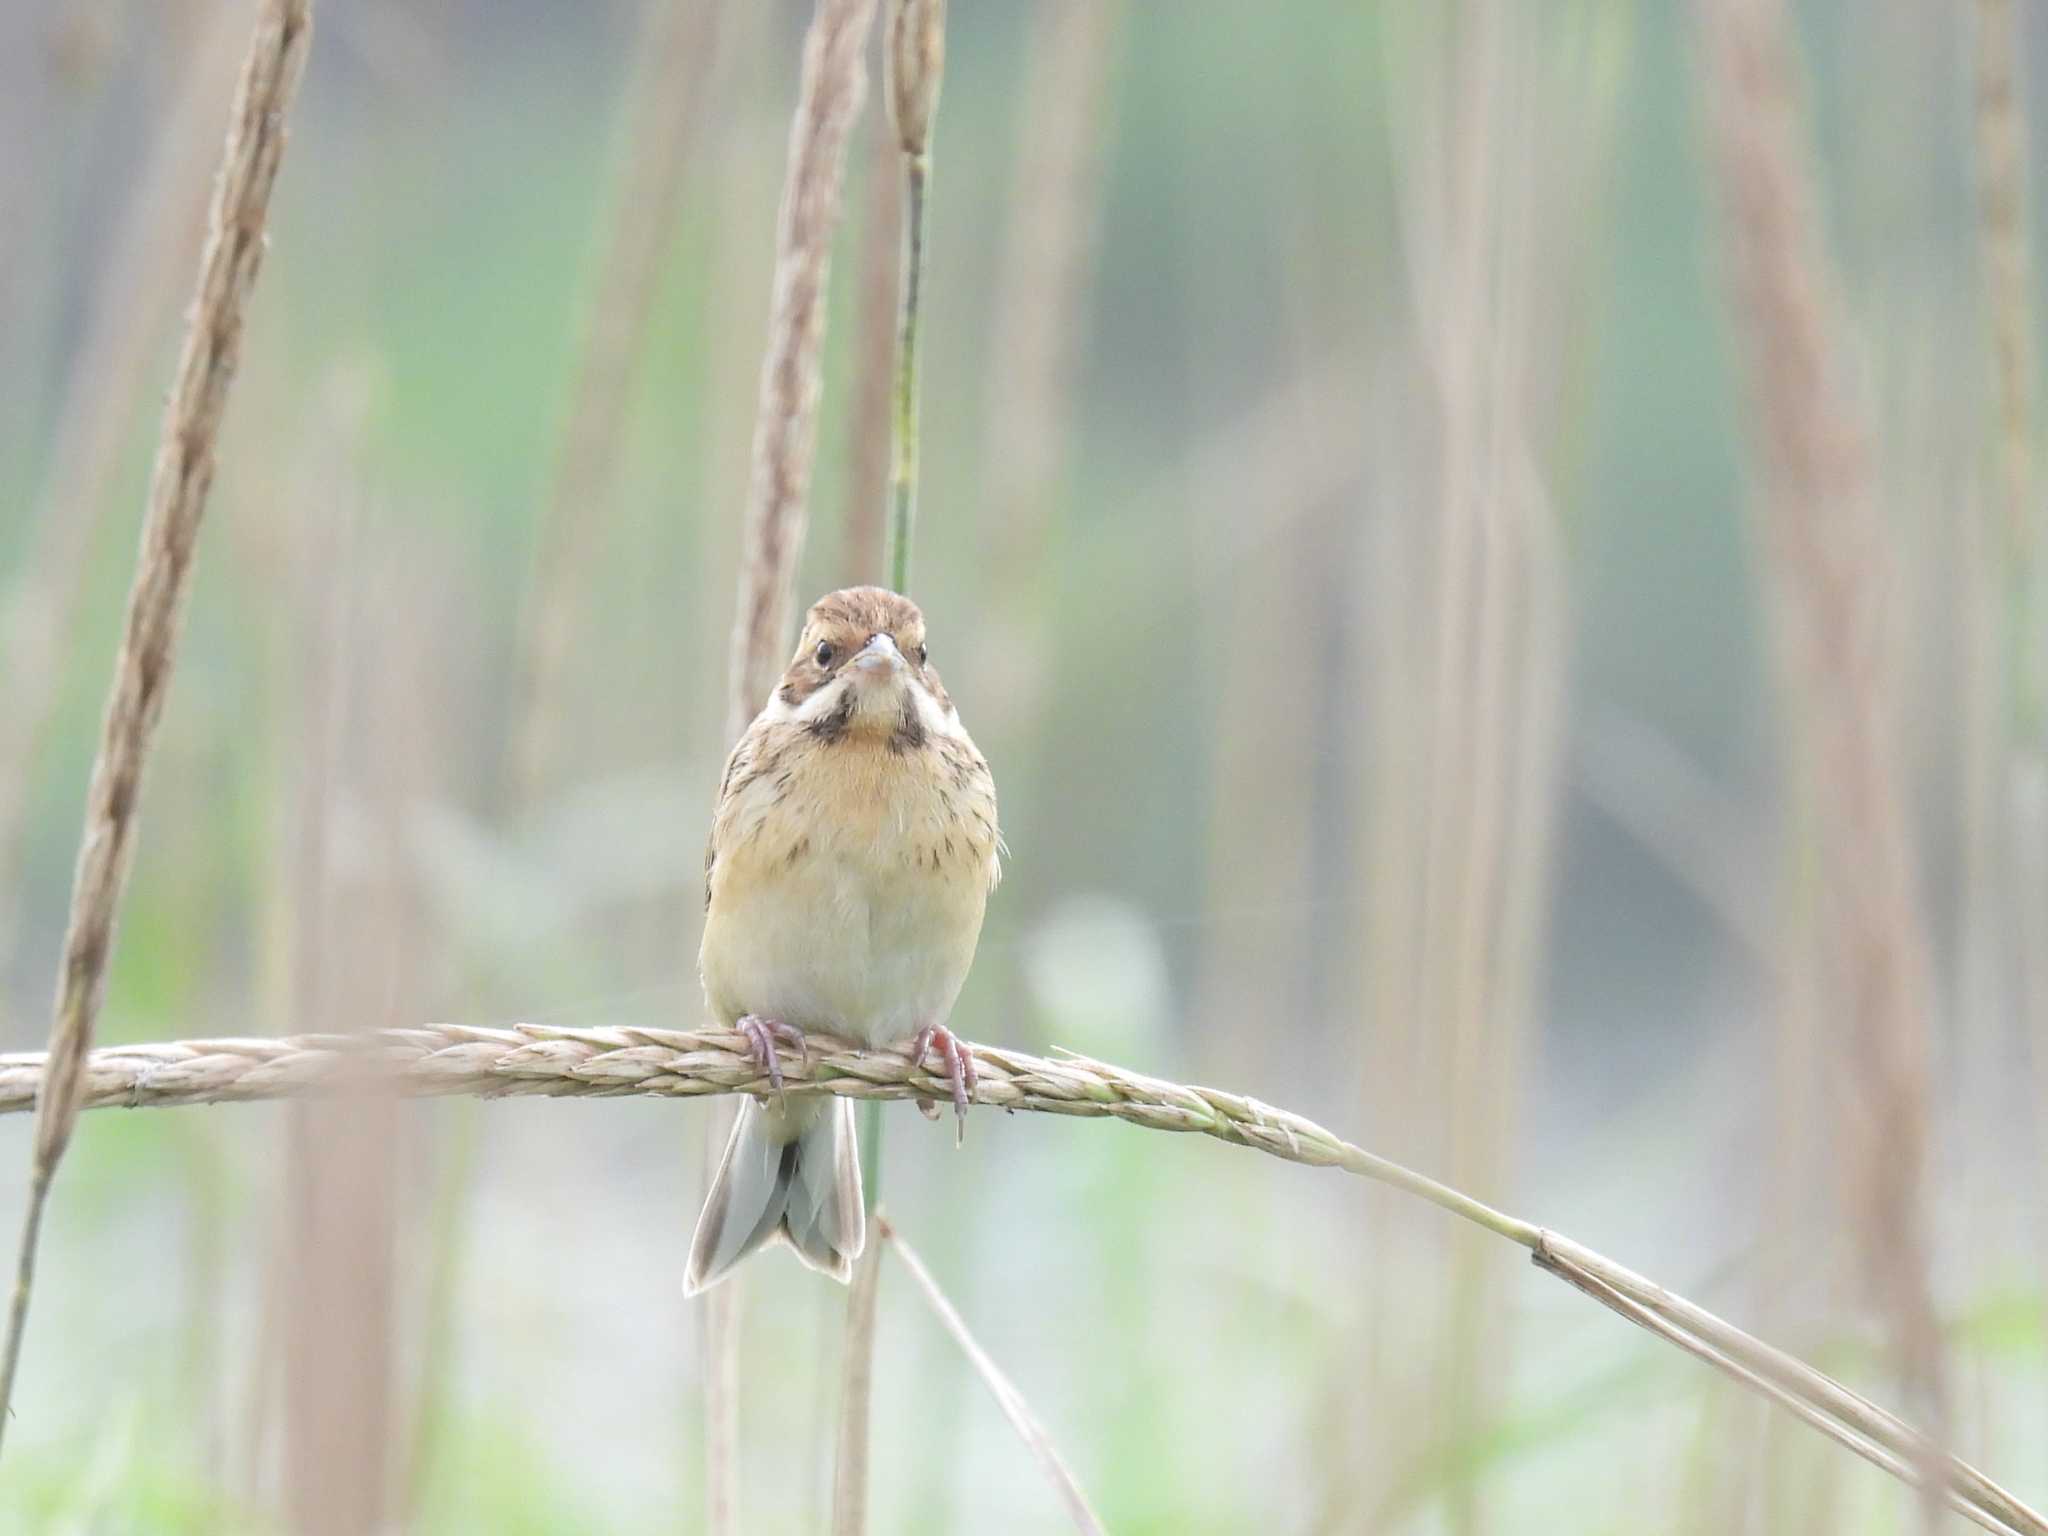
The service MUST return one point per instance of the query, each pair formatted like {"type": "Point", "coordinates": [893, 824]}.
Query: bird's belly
{"type": "Point", "coordinates": [849, 941]}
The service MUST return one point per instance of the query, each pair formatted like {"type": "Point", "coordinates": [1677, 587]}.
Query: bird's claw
{"type": "Point", "coordinates": [762, 1036]}
{"type": "Point", "coordinates": [959, 1062]}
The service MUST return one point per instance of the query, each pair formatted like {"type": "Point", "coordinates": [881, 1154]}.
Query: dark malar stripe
{"type": "Point", "coordinates": [831, 727]}
{"type": "Point", "coordinates": [909, 735]}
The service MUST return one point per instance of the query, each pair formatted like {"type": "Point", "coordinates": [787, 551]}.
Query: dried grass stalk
{"type": "Point", "coordinates": [1830, 581]}
{"type": "Point", "coordinates": [179, 483]}
{"type": "Point", "coordinates": [856, 1396]}
{"type": "Point", "coordinates": [915, 67]}
{"type": "Point", "coordinates": [679, 44]}
{"type": "Point", "coordinates": [1846, 1417]}
{"type": "Point", "coordinates": [721, 1366]}
{"type": "Point", "coordinates": [786, 426]}
{"type": "Point", "coordinates": [1007, 1397]}
{"type": "Point", "coordinates": [530, 1059]}
{"type": "Point", "coordinates": [1047, 267]}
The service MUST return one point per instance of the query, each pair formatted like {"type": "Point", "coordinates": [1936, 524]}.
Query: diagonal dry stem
{"type": "Point", "coordinates": [179, 482]}
{"type": "Point", "coordinates": [1007, 1397]}
{"type": "Point", "coordinates": [439, 1060]}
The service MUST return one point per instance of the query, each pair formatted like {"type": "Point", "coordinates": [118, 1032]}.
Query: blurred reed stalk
{"type": "Point", "coordinates": [2006, 259]}
{"type": "Point", "coordinates": [436, 1060]}
{"type": "Point", "coordinates": [313, 541]}
{"type": "Point", "coordinates": [57, 77]}
{"type": "Point", "coordinates": [674, 60]}
{"type": "Point", "coordinates": [1042, 299]}
{"type": "Point", "coordinates": [156, 236]}
{"type": "Point", "coordinates": [1045, 280]}
{"type": "Point", "coordinates": [913, 64]}
{"type": "Point", "coordinates": [829, 96]}
{"type": "Point", "coordinates": [373, 933]}
{"type": "Point", "coordinates": [674, 67]}
{"type": "Point", "coordinates": [179, 484]}
{"type": "Point", "coordinates": [2000, 129]}
{"type": "Point", "coordinates": [850, 1461]}
{"type": "Point", "coordinates": [1468, 655]}
{"type": "Point", "coordinates": [1827, 572]}
{"type": "Point", "coordinates": [365, 691]}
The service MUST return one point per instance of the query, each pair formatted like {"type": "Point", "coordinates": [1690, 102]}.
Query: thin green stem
{"type": "Point", "coordinates": [903, 470]}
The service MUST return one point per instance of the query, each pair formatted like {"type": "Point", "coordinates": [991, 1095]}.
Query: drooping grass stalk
{"type": "Point", "coordinates": [437, 1060]}
{"type": "Point", "coordinates": [179, 483]}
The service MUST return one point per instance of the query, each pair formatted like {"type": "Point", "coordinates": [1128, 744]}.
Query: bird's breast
{"type": "Point", "coordinates": [847, 889]}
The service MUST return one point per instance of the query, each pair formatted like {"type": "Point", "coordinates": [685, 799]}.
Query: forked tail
{"type": "Point", "coordinates": [790, 1173]}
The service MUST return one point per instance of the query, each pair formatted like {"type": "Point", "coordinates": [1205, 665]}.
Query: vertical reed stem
{"type": "Point", "coordinates": [903, 466]}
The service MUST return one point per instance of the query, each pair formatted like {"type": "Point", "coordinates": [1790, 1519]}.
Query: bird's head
{"type": "Point", "coordinates": [862, 671]}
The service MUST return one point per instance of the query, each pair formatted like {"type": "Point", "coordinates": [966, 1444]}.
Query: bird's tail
{"type": "Point", "coordinates": [790, 1173]}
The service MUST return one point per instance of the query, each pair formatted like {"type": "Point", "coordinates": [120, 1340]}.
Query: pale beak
{"type": "Point", "coordinates": [878, 659]}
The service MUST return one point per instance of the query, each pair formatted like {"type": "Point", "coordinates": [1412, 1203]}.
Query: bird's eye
{"type": "Point", "coordinates": [824, 653]}
{"type": "Point", "coordinates": [922, 653]}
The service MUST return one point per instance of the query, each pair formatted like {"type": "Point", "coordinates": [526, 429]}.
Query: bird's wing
{"type": "Point", "coordinates": [736, 772]}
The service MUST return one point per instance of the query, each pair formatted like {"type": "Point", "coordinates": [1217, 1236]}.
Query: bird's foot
{"type": "Point", "coordinates": [959, 1062]}
{"type": "Point", "coordinates": [762, 1036]}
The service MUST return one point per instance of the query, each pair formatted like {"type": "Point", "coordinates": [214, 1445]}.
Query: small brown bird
{"type": "Point", "coordinates": [851, 856]}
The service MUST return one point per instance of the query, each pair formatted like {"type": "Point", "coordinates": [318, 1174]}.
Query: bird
{"type": "Point", "coordinates": [852, 854]}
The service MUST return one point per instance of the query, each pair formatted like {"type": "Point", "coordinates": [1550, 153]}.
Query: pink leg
{"type": "Point", "coordinates": [959, 1064]}
{"type": "Point", "coordinates": [762, 1036]}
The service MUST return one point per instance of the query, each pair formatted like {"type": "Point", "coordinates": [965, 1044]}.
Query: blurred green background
{"type": "Point", "coordinates": [1311, 294]}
